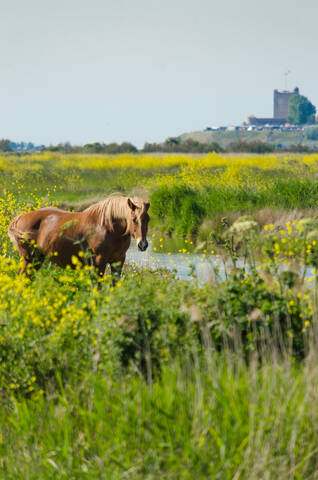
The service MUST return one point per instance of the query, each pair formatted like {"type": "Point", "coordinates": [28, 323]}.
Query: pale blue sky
{"type": "Point", "coordinates": [143, 70]}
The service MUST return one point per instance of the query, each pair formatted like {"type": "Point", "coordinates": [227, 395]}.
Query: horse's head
{"type": "Point", "coordinates": [139, 220]}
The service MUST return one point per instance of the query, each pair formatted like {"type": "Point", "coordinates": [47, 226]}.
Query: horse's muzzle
{"type": "Point", "coordinates": [143, 245]}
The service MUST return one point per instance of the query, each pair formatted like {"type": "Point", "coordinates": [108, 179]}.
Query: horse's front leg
{"type": "Point", "coordinates": [100, 264]}
{"type": "Point", "coordinates": [116, 269]}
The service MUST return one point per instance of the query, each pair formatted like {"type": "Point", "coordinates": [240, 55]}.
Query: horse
{"type": "Point", "coordinates": [105, 228]}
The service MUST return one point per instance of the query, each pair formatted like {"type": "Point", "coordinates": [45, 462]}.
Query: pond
{"type": "Point", "coordinates": [186, 265]}
{"type": "Point", "coordinates": [190, 266]}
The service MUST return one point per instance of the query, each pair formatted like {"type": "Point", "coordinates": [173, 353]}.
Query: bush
{"type": "Point", "coordinates": [175, 145]}
{"type": "Point", "coordinates": [178, 208]}
{"type": "Point", "coordinates": [312, 134]}
{"type": "Point", "coordinates": [5, 145]}
{"type": "Point", "coordinates": [251, 147]}
{"type": "Point", "coordinates": [97, 147]}
{"type": "Point", "coordinates": [62, 325]}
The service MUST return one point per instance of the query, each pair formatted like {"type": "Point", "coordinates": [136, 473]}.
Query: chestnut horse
{"type": "Point", "coordinates": [105, 228]}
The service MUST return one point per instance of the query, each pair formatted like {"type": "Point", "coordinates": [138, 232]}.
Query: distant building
{"type": "Point", "coordinates": [261, 121]}
{"type": "Point", "coordinates": [281, 99]}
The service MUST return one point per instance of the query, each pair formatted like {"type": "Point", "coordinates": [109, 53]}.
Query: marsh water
{"type": "Point", "coordinates": [187, 266]}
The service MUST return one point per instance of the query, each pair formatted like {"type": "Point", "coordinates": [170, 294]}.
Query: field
{"type": "Point", "coordinates": [160, 377]}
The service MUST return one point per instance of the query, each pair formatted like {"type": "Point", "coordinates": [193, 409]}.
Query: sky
{"type": "Point", "coordinates": [143, 70]}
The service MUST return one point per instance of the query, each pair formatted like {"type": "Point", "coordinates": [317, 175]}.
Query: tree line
{"type": "Point", "coordinates": [240, 146]}
{"type": "Point", "coordinates": [173, 145]}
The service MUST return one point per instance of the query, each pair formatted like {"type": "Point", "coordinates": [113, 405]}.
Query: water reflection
{"type": "Point", "coordinates": [193, 265]}
{"type": "Point", "coordinates": [185, 265]}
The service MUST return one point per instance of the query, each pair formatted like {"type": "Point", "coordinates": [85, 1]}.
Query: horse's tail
{"type": "Point", "coordinates": [16, 236]}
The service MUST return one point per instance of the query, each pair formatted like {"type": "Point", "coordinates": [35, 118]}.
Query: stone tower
{"type": "Point", "coordinates": [281, 102]}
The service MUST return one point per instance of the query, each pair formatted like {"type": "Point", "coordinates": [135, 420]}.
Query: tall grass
{"type": "Point", "coordinates": [221, 420]}
{"type": "Point", "coordinates": [181, 209]}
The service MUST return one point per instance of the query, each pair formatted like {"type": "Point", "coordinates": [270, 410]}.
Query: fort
{"type": "Point", "coordinates": [281, 99]}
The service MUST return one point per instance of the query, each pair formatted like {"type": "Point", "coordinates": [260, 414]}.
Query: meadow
{"type": "Point", "coordinates": [160, 377]}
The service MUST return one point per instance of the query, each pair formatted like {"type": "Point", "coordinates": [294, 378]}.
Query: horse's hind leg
{"type": "Point", "coordinates": [26, 262]}
{"type": "Point", "coordinates": [30, 261]}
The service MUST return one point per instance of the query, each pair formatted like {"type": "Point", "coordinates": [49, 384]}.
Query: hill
{"type": "Point", "coordinates": [275, 137]}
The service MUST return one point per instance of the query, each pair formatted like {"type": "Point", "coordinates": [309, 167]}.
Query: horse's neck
{"type": "Point", "coordinates": [120, 226]}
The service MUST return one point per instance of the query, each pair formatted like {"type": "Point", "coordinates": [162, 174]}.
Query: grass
{"type": "Point", "coordinates": [223, 420]}
{"type": "Point", "coordinates": [158, 377]}
{"type": "Point", "coordinates": [274, 137]}
{"type": "Point", "coordinates": [204, 186]}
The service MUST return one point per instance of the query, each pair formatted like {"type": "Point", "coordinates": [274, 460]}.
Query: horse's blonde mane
{"type": "Point", "coordinates": [115, 208]}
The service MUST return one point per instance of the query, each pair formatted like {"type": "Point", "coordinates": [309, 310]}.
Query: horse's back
{"type": "Point", "coordinates": [30, 221]}
{"type": "Point", "coordinates": [27, 225]}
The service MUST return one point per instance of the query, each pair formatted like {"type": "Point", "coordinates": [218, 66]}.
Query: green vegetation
{"type": "Point", "coordinates": [300, 110]}
{"type": "Point", "coordinates": [158, 377]}
{"type": "Point", "coordinates": [312, 134]}
{"type": "Point", "coordinates": [175, 145]}
{"type": "Point", "coordinates": [178, 209]}
{"type": "Point", "coordinates": [184, 191]}
{"type": "Point", "coordinates": [5, 145]}
{"type": "Point", "coordinates": [280, 140]}
{"type": "Point", "coordinates": [181, 210]}
{"type": "Point", "coordinates": [97, 147]}
{"type": "Point", "coordinates": [218, 420]}
{"type": "Point", "coordinates": [155, 377]}
{"type": "Point", "coordinates": [196, 143]}
{"type": "Point", "coordinates": [251, 147]}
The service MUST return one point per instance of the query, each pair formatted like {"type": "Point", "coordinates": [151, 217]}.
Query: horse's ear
{"type": "Point", "coordinates": [131, 205]}
{"type": "Point", "coordinates": [147, 205]}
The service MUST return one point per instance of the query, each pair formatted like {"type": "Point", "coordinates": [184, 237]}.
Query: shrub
{"type": "Point", "coordinates": [312, 134]}
{"type": "Point", "coordinates": [179, 208]}
{"type": "Point", "coordinates": [5, 145]}
{"type": "Point", "coordinates": [251, 147]}
{"type": "Point", "coordinates": [173, 144]}
{"type": "Point", "coordinates": [62, 325]}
